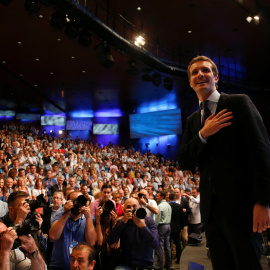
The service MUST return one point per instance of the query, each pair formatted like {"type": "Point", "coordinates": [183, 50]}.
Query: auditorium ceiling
{"type": "Point", "coordinates": [44, 71]}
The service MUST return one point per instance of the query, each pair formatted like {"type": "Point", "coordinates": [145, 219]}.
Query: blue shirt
{"type": "Point", "coordinates": [73, 232]}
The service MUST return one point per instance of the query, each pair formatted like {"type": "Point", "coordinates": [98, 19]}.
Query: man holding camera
{"type": "Point", "coordinates": [73, 226]}
{"type": "Point", "coordinates": [106, 194]}
{"type": "Point", "coordinates": [15, 258]}
{"type": "Point", "coordinates": [149, 205]}
{"type": "Point", "coordinates": [18, 209]}
{"type": "Point", "coordinates": [138, 238]}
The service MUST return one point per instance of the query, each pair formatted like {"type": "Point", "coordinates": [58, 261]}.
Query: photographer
{"type": "Point", "coordinates": [18, 209]}
{"type": "Point", "coordinates": [8, 256]}
{"type": "Point", "coordinates": [106, 193]}
{"type": "Point", "coordinates": [149, 205]}
{"type": "Point", "coordinates": [138, 238]}
{"type": "Point", "coordinates": [106, 219]}
{"type": "Point", "coordinates": [73, 226]}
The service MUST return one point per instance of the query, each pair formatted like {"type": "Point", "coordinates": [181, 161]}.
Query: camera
{"type": "Point", "coordinates": [30, 224]}
{"type": "Point", "coordinates": [78, 202]}
{"type": "Point", "coordinates": [107, 207]}
{"type": "Point", "coordinates": [139, 213]}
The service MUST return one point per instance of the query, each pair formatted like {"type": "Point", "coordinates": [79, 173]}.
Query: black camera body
{"type": "Point", "coordinates": [78, 202]}
{"type": "Point", "coordinates": [107, 207]}
{"type": "Point", "coordinates": [30, 224]}
{"type": "Point", "coordinates": [139, 213]}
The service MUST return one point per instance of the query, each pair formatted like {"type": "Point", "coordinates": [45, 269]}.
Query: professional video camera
{"type": "Point", "coordinates": [30, 224]}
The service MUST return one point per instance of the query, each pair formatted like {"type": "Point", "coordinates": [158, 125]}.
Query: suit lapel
{"type": "Point", "coordinates": [222, 102]}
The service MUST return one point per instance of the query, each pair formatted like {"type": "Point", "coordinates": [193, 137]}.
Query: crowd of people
{"type": "Point", "coordinates": [61, 195]}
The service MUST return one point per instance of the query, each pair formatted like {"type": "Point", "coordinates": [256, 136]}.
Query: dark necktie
{"type": "Point", "coordinates": [206, 111]}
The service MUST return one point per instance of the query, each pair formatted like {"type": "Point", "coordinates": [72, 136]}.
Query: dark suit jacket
{"type": "Point", "coordinates": [235, 162]}
{"type": "Point", "coordinates": [56, 188]}
{"type": "Point", "coordinates": [185, 204]}
{"type": "Point", "coordinates": [177, 217]}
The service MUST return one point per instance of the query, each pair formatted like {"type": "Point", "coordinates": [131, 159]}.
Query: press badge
{"type": "Point", "coordinates": [71, 246]}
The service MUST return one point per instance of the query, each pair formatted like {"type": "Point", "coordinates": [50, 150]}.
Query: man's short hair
{"type": "Point", "coordinates": [106, 185]}
{"type": "Point", "coordinates": [91, 251]}
{"type": "Point", "coordinates": [162, 193]}
{"type": "Point", "coordinates": [202, 58]}
{"type": "Point", "coordinates": [172, 196]}
{"type": "Point", "coordinates": [69, 195]}
{"type": "Point", "coordinates": [14, 195]}
{"type": "Point", "coordinates": [59, 193]}
{"type": "Point", "coordinates": [68, 189]}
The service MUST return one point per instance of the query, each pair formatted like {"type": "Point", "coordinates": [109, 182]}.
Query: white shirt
{"type": "Point", "coordinates": [194, 204]}
{"type": "Point", "coordinates": [212, 106]}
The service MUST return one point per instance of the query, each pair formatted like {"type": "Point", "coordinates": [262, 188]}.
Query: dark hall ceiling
{"type": "Point", "coordinates": [43, 70]}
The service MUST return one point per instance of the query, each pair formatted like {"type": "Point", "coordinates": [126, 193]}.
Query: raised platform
{"type": "Point", "coordinates": [198, 254]}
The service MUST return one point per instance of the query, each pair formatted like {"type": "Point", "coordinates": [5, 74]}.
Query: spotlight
{"type": "Point", "coordinates": [72, 29]}
{"type": "Point", "coordinates": [51, 131]}
{"type": "Point", "coordinates": [249, 19]}
{"type": "Point", "coordinates": [146, 78]}
{"type": "Point", "coordinates": [104, 55]}
{"type": "Point", "coordinates": [32, 6]}
{"type": "Point", "coordinates": [156, 79]}
{"type": "Point", "coordinates": [60, 132]}
{"type": "Point", "coordinates": [140, 41]}
{"type": "Point", "coordinates": [58, 21]}
{"type": "Point", "coordinates": [85, 38]}
{"type": "Point", "coordinates": [132, 70]}
{"type": "Point", "coordinates": [256, 17]}
{"type": "Point", "coordinates": [168, 84]}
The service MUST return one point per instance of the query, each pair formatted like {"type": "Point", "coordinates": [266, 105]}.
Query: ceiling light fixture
{"type": "Point", "coordinates": [132, 70]}
{"type": "Point", "coordinates": [85, 38]}
{"type": "Point", "coordinates": [256, 17]}
{"type": "Point", "coordinates": [168, 83]}
{"type": "Point", "coordinates": [249, 19]}
{"type": "Point", "coordinates": [139, 41]}
{"type": "Point", "coordinates": [58, 21]}
{"type": "Point", "coordinates": [32, 6]}
{"type": "Point", "coordinates": [146, 77]}
{"type": "Point", "coordinates": [60, 132]}
{"type": "Point", "coordinates": [139, 8]}
{"type": "Point", "coordinates": [156, 79]}
{"type": "Point", "coordinates": [72, 29]}
{"type": "Point", "coordinates": [104, 56]}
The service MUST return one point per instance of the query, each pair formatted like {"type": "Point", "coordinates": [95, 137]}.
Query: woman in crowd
{"type": "Point", "coordinates": [3, 163]}
{"type": "Point", "coordinates": [38, 189]}
{"type": "Point", "coordinates": [107, 256]}
{"type": "Point", "coordinates": [118, 205]}
{"type": "Point", "coordinates": [21, 186]}
{"type": "Point", "coordinates": [3, 191]}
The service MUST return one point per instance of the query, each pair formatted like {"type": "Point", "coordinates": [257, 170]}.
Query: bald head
{"type": "Point", "coordinates": [131, 204]}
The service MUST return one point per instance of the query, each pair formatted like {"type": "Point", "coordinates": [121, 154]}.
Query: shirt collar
{"type": "Point", "coordinates": [214, 97]}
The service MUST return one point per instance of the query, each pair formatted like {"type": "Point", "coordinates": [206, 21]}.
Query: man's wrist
{"type": "Point", "coordinates": [34, 254]}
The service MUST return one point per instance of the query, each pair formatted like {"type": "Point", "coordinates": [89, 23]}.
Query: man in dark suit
{"type": "Point", "coordinates": [176, 224]}
{"type": "Point", "coordinates": [60, 185]}
{"type": "Point", "coordinates": [232, 151]}
{"type": "Point", "coordinates": [183, 201]}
